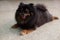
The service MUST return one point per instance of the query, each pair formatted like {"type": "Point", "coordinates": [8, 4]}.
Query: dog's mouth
{"type": "Point", "coordinates": [23, 19]}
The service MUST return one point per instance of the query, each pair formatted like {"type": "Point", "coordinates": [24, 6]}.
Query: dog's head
{"type": "Point", "coordinates": [24, 12]}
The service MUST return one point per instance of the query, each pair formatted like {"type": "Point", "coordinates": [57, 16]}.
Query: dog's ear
{"type": "Point", "coordinates": [41, 7]}
{"type": "Point", "coordinates": [31, 4]}
{"type": "Point", "coordinates": [21, 3]}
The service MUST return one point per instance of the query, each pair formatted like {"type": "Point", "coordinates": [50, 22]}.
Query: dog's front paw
{"type": "Point", "coordinates": [24, 32]}
{"type": "Point", "coordinates": [15, 26]}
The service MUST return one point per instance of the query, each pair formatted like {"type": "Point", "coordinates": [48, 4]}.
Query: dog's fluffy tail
{"type": "Point", "coordinates": [55, 18]}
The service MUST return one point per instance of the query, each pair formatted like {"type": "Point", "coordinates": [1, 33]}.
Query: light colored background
{"type": "Point", "coordinates": [49, 31]}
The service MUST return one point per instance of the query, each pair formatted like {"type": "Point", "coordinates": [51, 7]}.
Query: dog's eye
{"type": "Point", "coordinates": [26, 12]}
{"type": "Point", "coordinates": [19, 13]}
{"type": "Point", "coordinates": [31, 13]}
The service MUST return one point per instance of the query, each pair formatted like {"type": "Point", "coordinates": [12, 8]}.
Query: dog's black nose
{"type": "Point", "coordinates": [24, 16]}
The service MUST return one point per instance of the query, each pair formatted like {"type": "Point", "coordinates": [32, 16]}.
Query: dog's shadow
{"type": "Point", "coordinates": [7, 29]}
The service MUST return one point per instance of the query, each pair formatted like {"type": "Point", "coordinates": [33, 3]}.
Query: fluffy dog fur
{"type": "Point", "coordinates": [39, 15]}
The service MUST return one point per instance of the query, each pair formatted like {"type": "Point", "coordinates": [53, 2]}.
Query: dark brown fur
{"type": "Point", "coordinates": [39, 15]}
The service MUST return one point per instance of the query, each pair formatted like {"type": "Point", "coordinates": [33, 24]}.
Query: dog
{"type": "Point", "coordinates": [30, 16]}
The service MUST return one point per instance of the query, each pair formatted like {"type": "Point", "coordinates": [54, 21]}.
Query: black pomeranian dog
{"type": "Point", "coordinates": [30, 16]}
